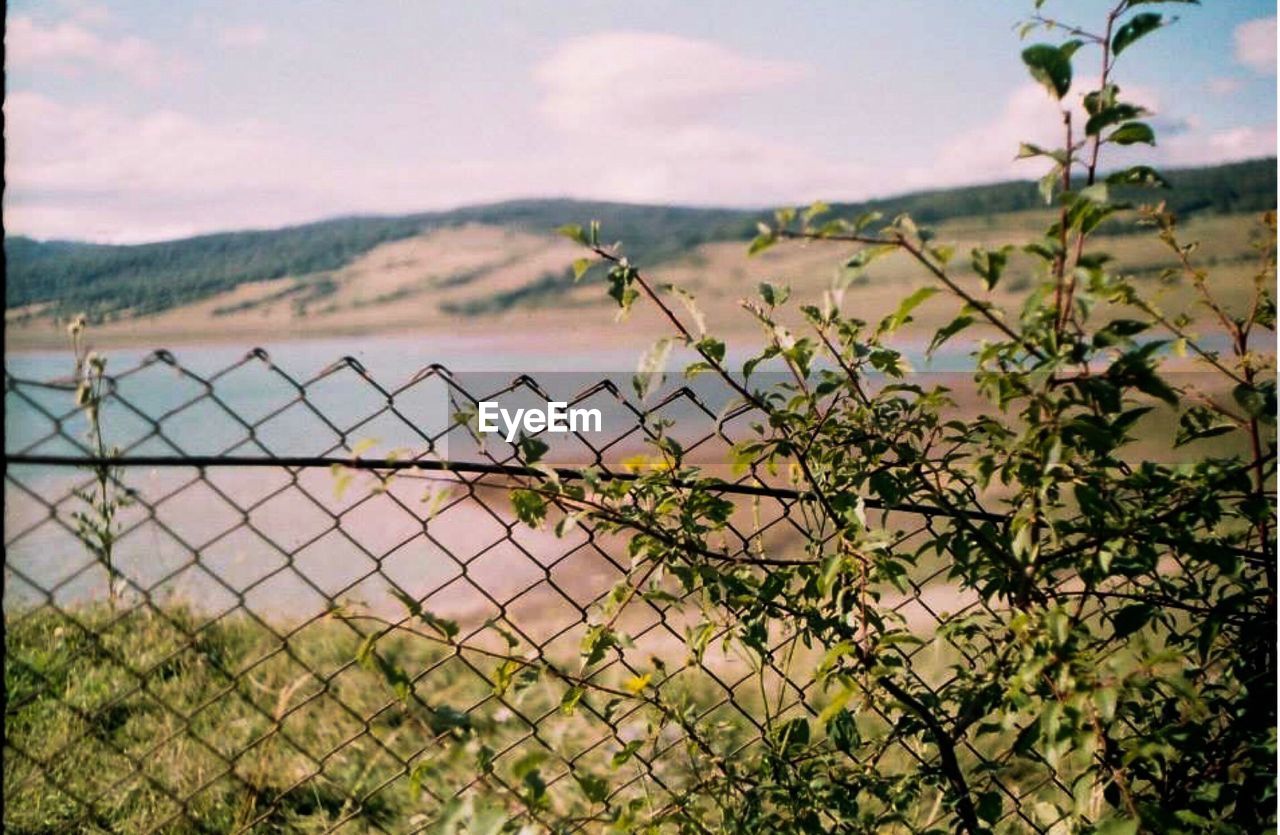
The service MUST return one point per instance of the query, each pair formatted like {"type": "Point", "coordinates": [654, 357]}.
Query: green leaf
{"type": "Point", "coordinates": [903, 313]}
{"type": "Point", "coordinates": [1046, 184]}
{"type": "Point", "coordinates": [342, 479]}
{"type": "Point", "coordinates": [573, 232]}
{"type": "Point", "coordinates": [1049, 65]}
{"type": "Point", "coordinates": [1200, 422]}
{"type": "Point", "coordinates": [1134, 369]}
{"type": "Point", "coordinates": [392, 674]}
{"type": "Point", "coordinates": [595, 643]}
{"type": "Point", "coordinates": [1096, 101]}
{"type": "Point", "coordinates": [528, 763]}
{"type": "Point", "coordinates": [762, 242]}
{"type": "Point", "coordinates": [1096, 193]}
{"type": "Point", "coordinates": [594, 788]}
{"type": "Point", "coordinates": [816, 209]}
{"type": "Point", "coordinates": [417, 775]}
{"type": "Point", "coordinates": [530, 507]}
{"type": "Point", "coordinates": [503, 675]}
{"type": "Point", "coordinates": [435, 499]}
{"type": "Point", "coordinates": [1026, 150]}
{"type": "Point", "coordinates": [621, 280]}
{"type": "Point", "coordinates": [1118, 332]}
{"type": "Point", "coordinates": [989, 264]}
{"type": "Point", "coordinates": [1209, 631]}
{"type": "Point", "coordinates": [446, 719]}
{"type": "Point", "coordinates": [1132, 133]}
{"type": "Point", "coordinates": [628, 751]}
{"type": "Point", "coordinates": [1025, 742]}
{"type": "Point", "coordinates": [843, 731]}
{"type": "Point", "coordinates": [1137, 27]}
{"type": "Point", "coordinates": [712, 348]}
{"type": "Point", "coordinates": [794, 734]}
{"type": "Point", "coordinates": [1132, 618]}
{"type": "Point", "coordinates": [1090, 501]}
{"type": "Point", "coordinates": [1258, 401]}
{"type": "Point", "coordinates": [1113, 115]}
{"type": "Point", "coordinates": [1106, 699]}
{"type": "Point", "coordinates": [772, 295]}
{"type": "Point", "coordinates": [531, 449]}
{"type": "Point", "coordinates": [569, 702]}
{"type": "Point", "coordinates": [949, 330]}
{"type": "Point", "coordinates": [989, 806]}
{"type": "Point", "coordinates": [580, 267]}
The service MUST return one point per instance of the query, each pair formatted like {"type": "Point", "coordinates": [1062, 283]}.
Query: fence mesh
{"type": "Point", "coordinates": [299, 629]}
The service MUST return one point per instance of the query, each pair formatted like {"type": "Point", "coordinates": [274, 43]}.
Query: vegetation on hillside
{"type": "Point", "coordinates": [104, 280]}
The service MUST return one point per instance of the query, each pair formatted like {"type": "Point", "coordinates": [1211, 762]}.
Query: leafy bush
{"type": "Point", "coordinates": [1118, 673]}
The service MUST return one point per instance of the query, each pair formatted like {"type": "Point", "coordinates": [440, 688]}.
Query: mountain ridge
{"type": "Point", "coordinates": [62, 275]}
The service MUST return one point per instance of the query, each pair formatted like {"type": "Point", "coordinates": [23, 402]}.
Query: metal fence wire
{"type": "Point", "coordinates": [300, 630]}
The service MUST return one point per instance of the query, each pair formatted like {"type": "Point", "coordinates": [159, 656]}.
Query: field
{"type": "Point", "coordinates": [171, 719]}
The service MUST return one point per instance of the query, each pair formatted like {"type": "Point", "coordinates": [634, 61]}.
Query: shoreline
{"type": "Point", "coordinates": [540, 331]}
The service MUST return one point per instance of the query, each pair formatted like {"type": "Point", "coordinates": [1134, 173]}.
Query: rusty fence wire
{"type": "Point", "coordinates": [303, 613]}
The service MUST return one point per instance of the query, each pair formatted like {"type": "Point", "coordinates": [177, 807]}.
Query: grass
{"type": "Point", "coordinates": [161, 719]}
{"type": "Point", "coordinates": [152, 714]}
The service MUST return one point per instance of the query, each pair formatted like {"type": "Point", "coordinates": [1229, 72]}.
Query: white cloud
{"type": "Point", "coordinates": [649, 117]}
{"type": "Point", "coordinates": [92, 172]}
{"type": "Point", "coordinates": [1256, 45]}
{"type": "Point", "coordinates": [1231, 144]}
{"type": "Point", "coordinates": [705, 164]}
{"type": "Point", "coordinates": [987, 152]}
{"type": "Point", "coordinates": [88, 172]}
{"type": "Point", "coordinates": [70, 46]}
{"type": "Point", "coordinates": [85, 171]}
{"type": "Point", "coordinates": [249, 34]}
{"type": "Point", "coordinates": [650, 77]}
{"type": "Point", "coordinates": [636, 116]}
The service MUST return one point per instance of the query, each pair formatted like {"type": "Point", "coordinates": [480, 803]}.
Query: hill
{"type": "Point", "coordinates": [61, 277]}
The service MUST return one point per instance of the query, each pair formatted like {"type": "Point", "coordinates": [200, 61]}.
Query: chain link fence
{"type": "Point", "coordinates": [310, 607]}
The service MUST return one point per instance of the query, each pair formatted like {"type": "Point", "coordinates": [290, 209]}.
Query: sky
{"type": "Point", "coordinates": [146, 120]}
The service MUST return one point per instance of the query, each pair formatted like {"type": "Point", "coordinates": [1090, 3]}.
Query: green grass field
{"type": "Point", "coordinates": [159, 719]}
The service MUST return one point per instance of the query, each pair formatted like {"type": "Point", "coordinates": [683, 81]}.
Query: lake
{"type": "Point", "coordinates": [288, 543]}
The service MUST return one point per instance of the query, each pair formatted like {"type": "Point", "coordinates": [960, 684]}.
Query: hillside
{"type": "Point", "coordinates": [57, 278]}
